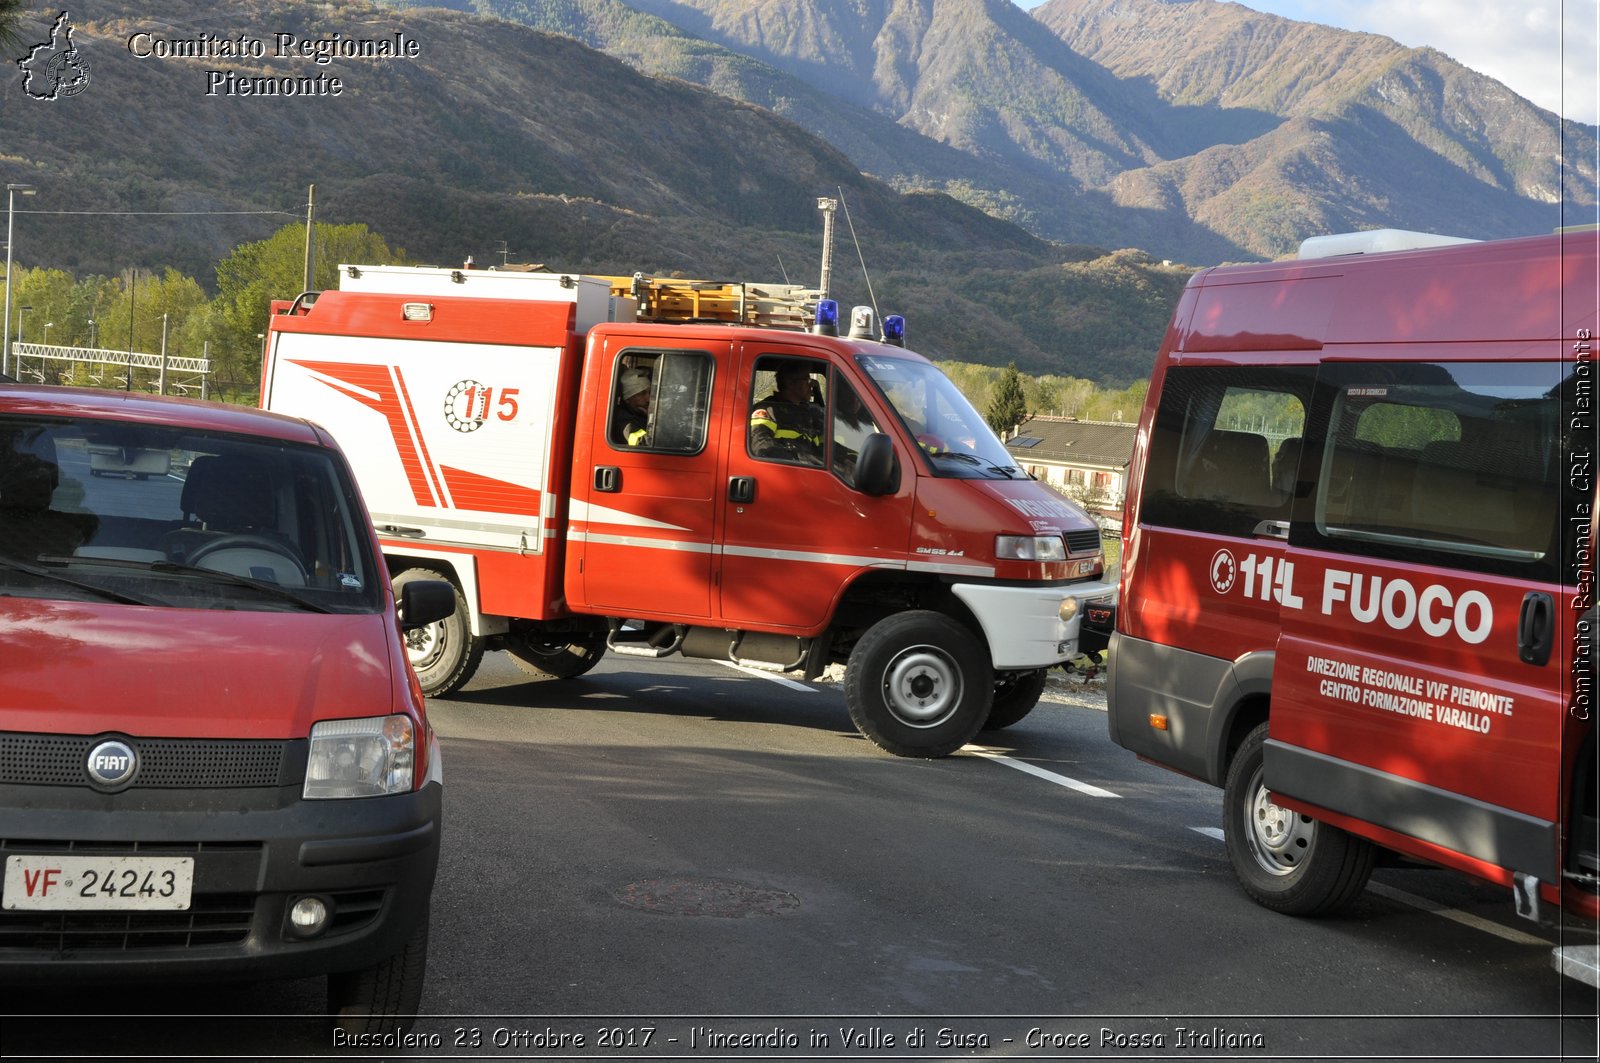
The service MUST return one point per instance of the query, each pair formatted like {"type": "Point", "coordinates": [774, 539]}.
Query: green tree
{"type": "Point", "coordinates": [40, 300]}
{"type": "Point", "coordinates": [1009, 406]}
{"type": "Point", "coordinates": [255, 274]}
{"type": "Point", "coordinates": [1123, 405]}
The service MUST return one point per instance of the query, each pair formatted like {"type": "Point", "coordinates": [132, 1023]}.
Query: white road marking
{"type": "Point", "coordinates": [1516, 937]}
{"type": "Point", "coordinates": [805, 688]}
{"type": "Point", "coordinates": [1411, 900]}
{"type": "Point", "coordinates": [1047, 776]}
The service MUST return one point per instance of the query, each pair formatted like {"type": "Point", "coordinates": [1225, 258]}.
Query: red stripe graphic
{"type": "Point", "coordinates": [381, 389]}
{"type": "Point", "coordinates": [470, 490]}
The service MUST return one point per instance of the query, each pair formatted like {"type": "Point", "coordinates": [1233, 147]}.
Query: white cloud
{"type": "Point", "coordinates": [1547, 51]}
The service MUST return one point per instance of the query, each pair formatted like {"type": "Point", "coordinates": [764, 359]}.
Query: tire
{"type": "Point", "coordinates": [563, 656]}
{"type": "Point", "coordinates": [1015, 695]}
{"type": "Point", "coordinates": [918, 684]}
{"type": "Point", "coordinates": [444, 654]}
{"type": "Point", "coordinates": [1287, 861]}
{"type": "Point", "coordinates": [384, 998]}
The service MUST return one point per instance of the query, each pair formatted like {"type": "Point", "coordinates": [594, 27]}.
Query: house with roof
{"type": "Point", "coordinates": [1085, 460]}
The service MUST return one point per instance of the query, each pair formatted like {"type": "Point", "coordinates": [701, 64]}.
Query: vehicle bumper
{"type": "Point", "coordinates": [255, 852]}
{"type": "Point", "coordinates": [1023, 624]}
{"type": "Point", "coordinates": [1195, 695]}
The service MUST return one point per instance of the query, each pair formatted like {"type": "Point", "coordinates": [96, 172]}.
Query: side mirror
{"type": "Point", "coordinates": [877, 472]}
{"type": "Point", "coordinates": [426, 601]}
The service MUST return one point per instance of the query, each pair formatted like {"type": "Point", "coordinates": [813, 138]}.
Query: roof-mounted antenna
{"type": "Point", "coordinates": [870, 294]}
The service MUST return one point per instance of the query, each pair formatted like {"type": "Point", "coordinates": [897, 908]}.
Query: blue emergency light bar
{"type": "Point", "coordinates": [827, 320]}
{"type": "Point", "coordinates": [894, 330]}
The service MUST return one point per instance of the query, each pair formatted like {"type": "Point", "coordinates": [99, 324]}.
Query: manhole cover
{"type": "Point", "coordinates": [724, 900]}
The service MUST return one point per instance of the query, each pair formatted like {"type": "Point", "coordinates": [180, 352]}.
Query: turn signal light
{"type": "Point", "coordinates": [1158, 721]}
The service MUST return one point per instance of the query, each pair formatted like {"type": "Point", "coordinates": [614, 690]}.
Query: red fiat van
{"type": "Point", "coordinates": [214, 761]}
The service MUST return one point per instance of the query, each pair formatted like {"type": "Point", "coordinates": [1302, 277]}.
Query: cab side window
{"type": "Point", "coordinates": [851, 424]}
{"type": "Point", "coordinates": [788, 416]}
{"type": "Point", "coordinates": [1443, 464]}
{"type": "Point", "coordinates": [1225, 449]}
{"type": "Point", "coordinates": [660, 401]}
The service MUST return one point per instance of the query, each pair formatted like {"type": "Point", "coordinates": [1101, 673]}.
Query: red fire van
{"type": "Point", "coordinates": [1358, 572]}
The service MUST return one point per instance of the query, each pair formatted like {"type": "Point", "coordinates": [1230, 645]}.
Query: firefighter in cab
{"type": "Point", "coordinates": [787, 425]}
{"type": "Point", "coordinates": [630, 421]}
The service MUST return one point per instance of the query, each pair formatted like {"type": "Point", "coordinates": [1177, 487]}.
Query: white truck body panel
{"type": "Point", "coordinates": [590, 296]}
{"type": "Point", "coordinates": [443, 453]}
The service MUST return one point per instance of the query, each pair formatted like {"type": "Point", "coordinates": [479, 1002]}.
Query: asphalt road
{"type": "Point", "coordinates": [678, 859]}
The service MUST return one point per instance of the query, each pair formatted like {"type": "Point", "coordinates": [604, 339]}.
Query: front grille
{"type": "Point", "coordinates": [99, 848]}
{"type": "Point", "coordinates": [213, 919]}
{"type": "Point", "coordinates": [1083, 542]}
{"type": "Point", "coordinates": [353, 909]}
{"type": "Point", "coordinates": [164, 763]}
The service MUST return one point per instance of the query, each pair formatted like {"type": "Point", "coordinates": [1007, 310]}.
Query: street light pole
{"type": "Point", "coordinates": [5, 332]}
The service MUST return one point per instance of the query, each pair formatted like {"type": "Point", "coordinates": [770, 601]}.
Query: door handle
{"type": "Point", "coordinates": [607, 478]}
{"type": "Point", "coordinates": [1536, 628]}
{"type": "Point", "coordinates": [741, 489]}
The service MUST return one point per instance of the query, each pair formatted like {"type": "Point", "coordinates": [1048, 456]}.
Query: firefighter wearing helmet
{"type": "Point", "coordinates": [630, 421]}
{"type": "Point", "coordinates": [787, 425]}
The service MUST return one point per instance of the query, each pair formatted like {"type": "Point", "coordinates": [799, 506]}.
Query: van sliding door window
{"type": "Point", "coordinates": [1443, 464]}
{"type": "Point", "coordinates": [1225, 448]}
{"type": "Point", "coordinates": [661, 401]}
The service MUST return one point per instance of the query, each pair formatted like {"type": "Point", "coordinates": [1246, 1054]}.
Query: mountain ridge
{"type": "Point", "coordinates": [1134, 85]}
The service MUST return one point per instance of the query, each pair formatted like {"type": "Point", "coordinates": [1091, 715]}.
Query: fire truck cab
{"type": "Point", "coordinates": [1357, 585]}
{"type": "Point", "coordinates": [710, 469]}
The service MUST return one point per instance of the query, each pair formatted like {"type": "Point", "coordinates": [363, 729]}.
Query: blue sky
{"type": "Point", "coordinates": [1522, 43]}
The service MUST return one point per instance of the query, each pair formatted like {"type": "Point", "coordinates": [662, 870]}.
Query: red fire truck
{"type": "Point", "coordinates": [708, 469]}
{"type": "Point", "coordinates": [1357, 584]}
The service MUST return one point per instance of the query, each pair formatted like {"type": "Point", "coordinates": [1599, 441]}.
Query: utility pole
{"type": "Point", "coordinates": [311, 252]}
{"type": "Point", "coordinates": [162, 386]}
{"type": "Point", "coordinates": [827, 206]}
{"type": "Point", "coordinates": [5, 332]}
{"type": "Point", "coordinates": [133, 280]}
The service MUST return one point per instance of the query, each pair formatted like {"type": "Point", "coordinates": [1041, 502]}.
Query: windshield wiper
{"type": "Point", "coordinates": [234, 580]}
{"type": "Point", "coordinates": [211, 575]}
{"type": "Point", "coordinates": [973, 459]}
{"type": "Point", "coordinates": [109, 595]}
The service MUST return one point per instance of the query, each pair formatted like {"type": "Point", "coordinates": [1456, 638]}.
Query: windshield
{"type": "Point", "coordinates": [160, 516]}
{"type": "Point", "coordinates": [957, 441]}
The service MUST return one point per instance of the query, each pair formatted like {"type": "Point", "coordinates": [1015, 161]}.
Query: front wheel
{"type": "Point", "coordinates": [1015, 695]}
{"type": "Point", "coordinates": [1286, 860]}
{"type": "Point", "coordinates": [444, 654]}
{"type": "Point", "coordinates": [383, 999]}
{"type": "Point", "coordinates": [918, 684]}
{"type": "Point", "coordinates": [564, 656]}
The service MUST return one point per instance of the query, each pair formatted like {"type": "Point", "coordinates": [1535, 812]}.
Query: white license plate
{"type": "Point", "coordinates": [98, 883]}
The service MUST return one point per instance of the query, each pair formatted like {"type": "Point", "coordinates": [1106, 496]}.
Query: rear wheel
{"type": "Point", "coordinates": [384, 998]}
{"type": "Point", "coordinates": [443, 654]}
{"type": "Point", "coordinates": [563, 656]}
{"type": "Point", "coordinates": [1285, 860]}
{"type": "Point", "coordinates": [918, 684]}
{"type": "Point", "coordinates": [1015, 695]}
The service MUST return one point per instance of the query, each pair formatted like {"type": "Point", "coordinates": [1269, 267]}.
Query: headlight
{"type": "Point", "coordinates": [1030, 548]}
{"type": "Point", "coordinates": [361, 758]}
